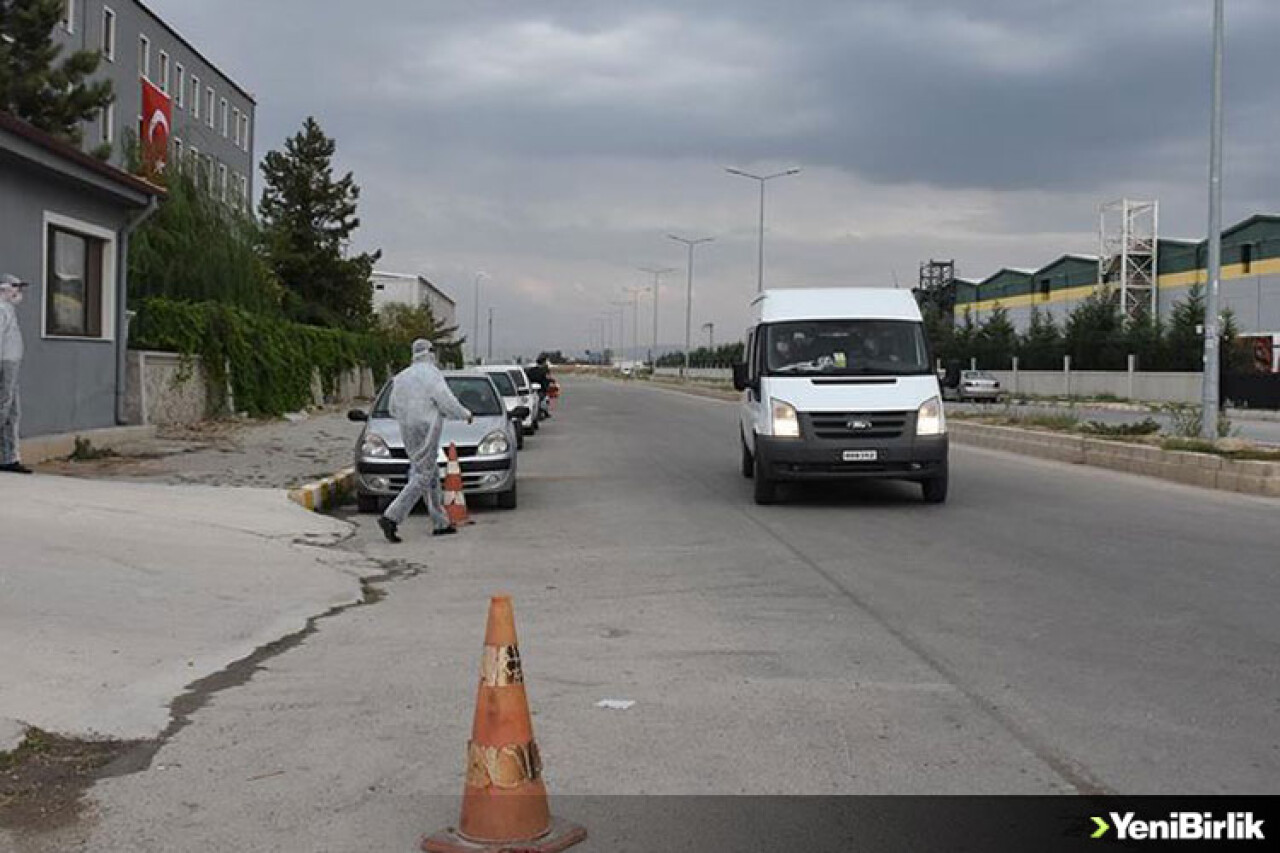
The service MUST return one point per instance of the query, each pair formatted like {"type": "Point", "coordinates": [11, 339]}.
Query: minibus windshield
{"type": "Point", "coordinates": [847, 348]}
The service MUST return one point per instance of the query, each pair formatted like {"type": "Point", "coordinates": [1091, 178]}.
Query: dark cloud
{"type": "Point", "coordinates": [555, 143]}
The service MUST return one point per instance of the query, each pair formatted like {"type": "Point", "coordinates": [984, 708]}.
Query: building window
{"type": "Point", "coordinates": [235, 125]}
{"type": "Point", "coordinates": [79, 275]}
{"type": "Point", "coordinates": [1246, 257]}
{"type": "Point", "coordinates": [209, 100]}
{"type": "Point", "coordinates": [178, 162]}
{"type": "Point", "coordinates": [144, 57]}
{"type": "Point", "coordinates": [163, 72]}
{"type": "Point", "coordinates": [226, 119]}
{"type": "Point", "coordinates": [107, 126]}
{"type": "Point", "coordinates": [1044, 287]}
{"type": "Point", "coordinates": [193, 164]}
{"type": "Point", "coordinates": [195, 97]}
{"type": "Point", "coordinates": [108, 34]}
{"type": "Point", "coordinates": [69, 15]}
{"type": "Point", "coordinates": [245, 135]}
{"type": "Point", "coordinates": [180, 85]}
{"type": "Point", "coordinates": [222, 182]}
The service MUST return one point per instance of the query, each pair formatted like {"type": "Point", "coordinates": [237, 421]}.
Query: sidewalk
{"type": "Point", "coordinates": [115, 596]}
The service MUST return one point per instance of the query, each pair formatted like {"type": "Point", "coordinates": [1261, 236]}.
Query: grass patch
{"type": "Point", "coordinates": [86, 452]}
{"type": "Point", "coordinates": [1144, 427]}
{"type": "Point", "coordinates": [1200, 445]}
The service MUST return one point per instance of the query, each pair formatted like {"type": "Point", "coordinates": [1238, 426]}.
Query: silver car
{"type": "Point", "coordinates": [978, 385]}
{"type": "Point", "coordinates": [486, 447]}
{"type": "Point", "coordinates": [511, 396]}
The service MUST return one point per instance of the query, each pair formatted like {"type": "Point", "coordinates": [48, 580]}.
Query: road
{"type": "Point", "coordinates": [1261, 431]}
{"type": "Point", "coordinates": [1051, 629]}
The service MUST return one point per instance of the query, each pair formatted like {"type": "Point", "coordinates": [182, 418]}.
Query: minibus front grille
{"type": "Point", "coordinates": [846, 425]}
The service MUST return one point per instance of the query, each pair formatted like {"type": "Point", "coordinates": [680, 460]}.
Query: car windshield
{"type": "Point", "coordinates": [474, 392]}
{"type": "Point", "coordinates": [518, 377]}
{"type": "Point", "coordinates": [847, 348]}
{"type": "Point", "coordinates": [506, 387]}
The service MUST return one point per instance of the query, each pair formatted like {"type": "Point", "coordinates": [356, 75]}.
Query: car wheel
{"type": "Point", "coordinates": [507, 499]}
{"type": "Point", "coordinates": [935, 490]}
{"type": "Point", "coordinates": [748, 463]}
{"type": "Point", "coordinates": [368, 503]}
{"type": "Point", "coordinates": [766, 489]}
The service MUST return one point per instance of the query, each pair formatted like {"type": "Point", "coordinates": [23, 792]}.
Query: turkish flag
{"type": "Point", "coordinates": [157, 118]}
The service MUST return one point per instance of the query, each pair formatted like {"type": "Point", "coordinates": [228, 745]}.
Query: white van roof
{"type": "Point", "coordinates": [835, 303]}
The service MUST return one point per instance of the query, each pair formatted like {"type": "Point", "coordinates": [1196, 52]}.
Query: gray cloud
{"type": "Point", "coordinates": [553, 144]}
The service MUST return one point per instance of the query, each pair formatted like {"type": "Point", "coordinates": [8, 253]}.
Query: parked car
{"type": "Point", "coordinates": [977, 385]}
{"type": "Point", "coordinates": [837, 384]}
{"type": "Point", "coordinates": [510, 397]}
{"type": "Point", "coordinates": [528, 397]}
{"type": "Point", "coordinates": [486, 447]}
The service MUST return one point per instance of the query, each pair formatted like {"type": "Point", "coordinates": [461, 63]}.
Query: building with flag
{"type": "Point", "coordinates": [171, 98]}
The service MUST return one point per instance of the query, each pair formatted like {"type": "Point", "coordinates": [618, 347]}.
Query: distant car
{"type": "Point", "coordinates": [528, 397]}
{"type": "Point", "coordinates": [511, 397]}
{"type": "Point", "coordinates": [978, 385]}
{"type": "Point", "coordinates": [486, 447]}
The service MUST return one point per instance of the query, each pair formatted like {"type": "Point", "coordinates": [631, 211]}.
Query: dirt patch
{"type": "Point", "coordinates": [43, 781]}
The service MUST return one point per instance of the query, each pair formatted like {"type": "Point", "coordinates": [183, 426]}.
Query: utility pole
{"type": "Point", "coordinates": [635, 292]}
{"type": "Point", "coordinates": [657, 273]}
{"type": "Point", "coordinates": [688, 305]}
{"type": "Point", "coordinates": [710, 329]}
{"type": "Point", "coordinates": [490, 335]}
{"type": "Point", "coordinates": [762, 180]}
{"type": "Point", "coordinates": [1212, 356]}
{"type": "Point", "coordinates": [622, 328]}
{"type": "Point", "coordinates": [475, 337]}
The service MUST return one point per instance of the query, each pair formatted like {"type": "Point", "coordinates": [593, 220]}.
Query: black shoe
{"type": "Point", "coordinates": [389, 529]}
{"type": "Point", "coordinates": [445, 531]}
{"type": "Point", "coordinates": [15, 468]}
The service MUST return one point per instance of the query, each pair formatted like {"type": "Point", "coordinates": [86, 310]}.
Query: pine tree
{"type": "Point", "coordinates": [1041, 347]}
{"type": "Point", "coordinates": [1094, 334]}
{"type": "Point", "coordinates": [1185, 339]}
{"type": "Point", "coordinates": [308, 218]}
{"type": "Point", "coordinates": [35, 86]}
{"type": "Point", "coordinates": [997, 340]}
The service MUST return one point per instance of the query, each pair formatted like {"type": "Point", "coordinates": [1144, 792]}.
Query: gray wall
{"type": "Point", "coordinates": [65, 384]}
{"type": "Point", "coordinates": [132, 21]}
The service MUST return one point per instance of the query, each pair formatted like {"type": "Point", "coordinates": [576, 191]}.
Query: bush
{"type": "Point", "coordinates": [268, 362]}
{"type": "Point", "coordinates": [1146, 426]}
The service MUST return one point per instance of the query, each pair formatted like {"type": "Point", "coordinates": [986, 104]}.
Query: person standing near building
{"type": "Point", "coordinates": [11, 288]}
{"type": "Point", "coordinates": [420, 402]}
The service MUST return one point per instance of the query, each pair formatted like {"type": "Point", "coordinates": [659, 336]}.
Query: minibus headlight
{"type": "Point", "coordinates": [929, 418]}
{"type": "Point", "coordinates": [786, 423]}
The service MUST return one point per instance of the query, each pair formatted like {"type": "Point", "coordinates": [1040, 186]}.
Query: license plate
{"type": "Point", "coordinates": [861, 455]}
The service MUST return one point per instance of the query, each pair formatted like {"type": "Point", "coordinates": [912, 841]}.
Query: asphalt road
{"type": "Point", "coordinates": [1051, 629]}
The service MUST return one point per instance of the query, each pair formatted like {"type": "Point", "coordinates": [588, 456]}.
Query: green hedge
{"type": "Point", "coordinates": [270, 360]}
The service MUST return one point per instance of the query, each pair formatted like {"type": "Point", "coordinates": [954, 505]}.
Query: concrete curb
{"type": "Point", "coordinates": [46, 447]}
{"type": "Point", "coordinates": [1193, 469]}
{"type": "Point", "coordinates": [327, 493]}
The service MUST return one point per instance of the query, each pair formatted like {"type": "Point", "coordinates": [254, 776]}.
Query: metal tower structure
{"type": "Point", "coordinates": [1127, 235]}
{"type": "Point", "coordinates": [937, 285]}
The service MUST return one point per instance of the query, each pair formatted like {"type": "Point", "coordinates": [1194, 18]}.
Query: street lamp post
{"type": "Point", "coordinates": [475, 331]}
{"type": "Point", "coordinates": [635, 292]}
{"type": "Point", "coordinates": [490, 336]}
{"type": "Point", "coordinates": [710, 329]}
{"type": "Point", "coordinates": [622, 328]}
{"type": "Point", "coordinates": [688, 305]}
{"type": "Point", "coordinates": [1209, 388]}
{"type": "Point", "coordinates": [657, 273]}
{"type": "Point", "coordinates": [762, 180]}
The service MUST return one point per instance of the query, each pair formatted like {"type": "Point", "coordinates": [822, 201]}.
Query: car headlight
{"type": "Point", "coordinates": [786, 423]}
{"type": "Point", "coordinates": [929, 418]}
{"type": "Point", "coordinates": [375, 447]}
{"type": "Point", "coordinates": [494, 444]}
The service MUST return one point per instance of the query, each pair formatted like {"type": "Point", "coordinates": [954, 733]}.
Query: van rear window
{"type": "Point", "coordinates": [847, 348]}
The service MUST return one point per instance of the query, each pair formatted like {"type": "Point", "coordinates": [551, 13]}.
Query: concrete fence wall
{"type": "Point", "coordinates": [708, 373]}
{"type": "Point", "coordinates": [1130, 385]}
{"type": "Point", "coordinates": [165, 390]}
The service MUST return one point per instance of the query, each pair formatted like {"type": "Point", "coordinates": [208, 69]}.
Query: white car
{"type": "Point", "coordinates": [837, 384]}
{"type": "Point", "coordinates": [511, 397]}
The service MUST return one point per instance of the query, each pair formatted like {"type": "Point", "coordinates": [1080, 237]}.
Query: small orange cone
{"type": "Point", "coordinates": [504, 803]}
{"type": "Point", "coordinates": [455, 502]}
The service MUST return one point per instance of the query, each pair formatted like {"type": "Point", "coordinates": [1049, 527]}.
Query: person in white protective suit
{"type": "Point", "coordinates": [11, 288]}
{"type": "Point", "coordinates": [420, 402]}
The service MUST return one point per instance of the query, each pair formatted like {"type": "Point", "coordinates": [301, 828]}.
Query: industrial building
{"type": "Point", "coordinates": [391, 288]}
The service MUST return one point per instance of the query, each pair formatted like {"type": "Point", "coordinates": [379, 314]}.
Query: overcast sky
{"type": "Point", "coordinates": [554, 144]}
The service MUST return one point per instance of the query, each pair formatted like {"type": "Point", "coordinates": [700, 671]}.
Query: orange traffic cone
{"type": "Point", "coordinates": [455, 502]}
{"type": "Point", "coordinates": [504, 803]}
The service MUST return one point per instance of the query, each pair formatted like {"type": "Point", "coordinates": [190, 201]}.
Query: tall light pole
{"type": "Point", "coordinates": [635, 292]}
{"type": "Point", "coordinates": [657, 273]}
{"type": "Point", "coordinates": [490, 335]}
{"type": "Point", "coordinates": [762, 180]}
{"type": "Point", "coordinates": [710, 329]}
{"type": "Point", "coordinates": [1209, 398]}
{"type": "Point", "coordinates": [475, 332]}
{"type": "Point", "coordinates": [622, 328]}
{"type": "Point", "coordinates": [688, 305]}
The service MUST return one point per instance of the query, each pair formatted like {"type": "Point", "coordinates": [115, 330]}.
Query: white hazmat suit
{"type": "Point", "coordinates": [420, 402]}
{"type": "Point", "coordinates": [10, 361]}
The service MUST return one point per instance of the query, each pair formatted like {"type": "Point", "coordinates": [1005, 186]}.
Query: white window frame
{"type": "Point", "coordinates": [69, 15]}
{"type": "Point", "coordinates": [178, 155]}
{"type": "Point", "coordinates": [179, 85]}
{"type": "Point", "coordinates": [107, 130]}
{"type": "Point", "coordinates": [195, 97]}
{"type": "Point", "coordinates": [109, 33]}
{"type": "Point", "coordinates": [246, 135]}
{"type": "Point", "coordinates": [163, 72]}
{"type": "Point", "coordinates": [211, 105]}
{"type": "Point", "coordinates": [144, 57]}
{"type": "Point", "coordinates": [226, 119]}
{"type": "Point", "coordinates": [221, 189]}
{"type": "Point", "coordinates": [109, 282]}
